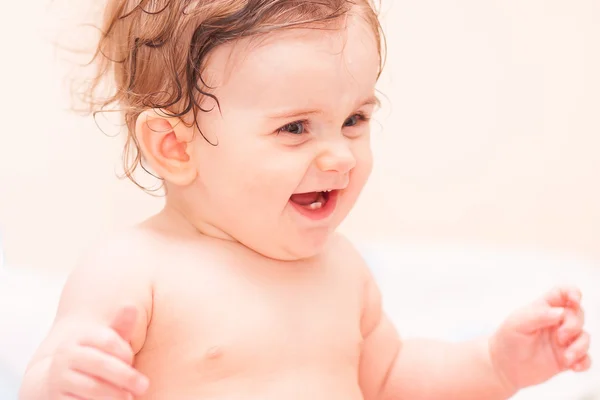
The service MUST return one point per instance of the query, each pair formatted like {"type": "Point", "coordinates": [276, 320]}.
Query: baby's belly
{"type": "Point", "coordinates": [315, 385]}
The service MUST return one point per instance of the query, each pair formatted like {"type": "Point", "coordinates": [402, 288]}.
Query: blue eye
{"type": "Point", "coordinates": [354, 120]}
{"type": "Point", "coordinates": [295, 128]}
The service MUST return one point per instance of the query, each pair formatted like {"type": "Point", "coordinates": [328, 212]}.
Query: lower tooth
{"type": "Point", "coordinates": [315, 205]}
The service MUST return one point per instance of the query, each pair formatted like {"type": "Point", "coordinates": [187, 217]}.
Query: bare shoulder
{"type": "Point", "coordinates": [348, 257]}
{"type": "Point", "coordinates": [111, 274]}
{"type": "Point", "coordinates": [128, 253]}
{"type": "Point", "coordinates": [353, 262]}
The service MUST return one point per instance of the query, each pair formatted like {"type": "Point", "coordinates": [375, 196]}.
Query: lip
{"type": "Point", "coordinates": [322, 213]}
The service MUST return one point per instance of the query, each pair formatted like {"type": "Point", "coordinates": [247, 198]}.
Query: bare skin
{"type": "Point", "coordinates": [210, 319]}
{"type": "Point", "coordinates": [222, 322]}
{"type": "Point", "coordinates": [239, 326]}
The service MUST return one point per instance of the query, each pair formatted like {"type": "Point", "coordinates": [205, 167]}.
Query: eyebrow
{"type": "Point", "coordinates": [370, 101]}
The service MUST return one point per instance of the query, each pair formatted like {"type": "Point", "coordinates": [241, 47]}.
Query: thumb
{"type": "Point", "coordinates": [537, 318]}
{"type": "Point", "coordinates": [125, 321]}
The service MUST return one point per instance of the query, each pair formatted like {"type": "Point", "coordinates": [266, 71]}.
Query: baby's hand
{"type": "Point", "coordinates": [541, 340]}
{"type": "Point", "coordinates": [99, 364]}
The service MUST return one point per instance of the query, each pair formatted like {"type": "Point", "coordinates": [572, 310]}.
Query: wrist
{"type": "Point", "coordinates": [500, 374]}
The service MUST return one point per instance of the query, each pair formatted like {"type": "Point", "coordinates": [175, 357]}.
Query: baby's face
{"type": "Point", "coordinates": [293, 124]}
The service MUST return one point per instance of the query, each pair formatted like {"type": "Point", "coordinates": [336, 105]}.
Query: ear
{"type": "Point", "coordinates": [164, 143]}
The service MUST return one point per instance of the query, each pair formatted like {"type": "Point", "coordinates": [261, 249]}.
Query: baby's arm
{"type": "Point", "coordinates": [421, 369]}
{"type": "Point", "coordinates": [104, 283]}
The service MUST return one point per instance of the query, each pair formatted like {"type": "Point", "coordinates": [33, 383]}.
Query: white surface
{"type": "Point", "coordinates": [28, 301]}
{"type": "Point", "coordinates": [451, 293]}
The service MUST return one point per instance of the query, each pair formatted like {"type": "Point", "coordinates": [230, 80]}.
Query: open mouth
{"type": "Point", "coordinates": [316, 205]}
{"type": "Point", "coordinates": [311, 200]}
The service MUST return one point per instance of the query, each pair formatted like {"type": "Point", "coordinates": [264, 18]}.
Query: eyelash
{"type": "Point", "coordinates": [361, 118]}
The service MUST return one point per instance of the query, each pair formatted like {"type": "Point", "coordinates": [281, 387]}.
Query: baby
{"type": "Point", "coordinates": [255, 115]}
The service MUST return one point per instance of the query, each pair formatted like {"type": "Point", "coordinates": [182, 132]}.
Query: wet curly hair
{"type": "Point", "coordinates": [151, 53]}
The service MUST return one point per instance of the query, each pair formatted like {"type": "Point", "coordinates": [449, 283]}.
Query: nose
{"type": "Point", "coordinates": [336, 157]}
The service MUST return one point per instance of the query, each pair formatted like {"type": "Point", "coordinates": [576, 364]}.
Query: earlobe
{"type": "Point", "coordinates": [165, 145]}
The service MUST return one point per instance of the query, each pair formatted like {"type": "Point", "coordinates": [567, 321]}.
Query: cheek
{"type": "Point", "coordinates": [253, 172]}
{"type": "Point", "coordinates": [272, 176]}
{"type": "Point", "coordinates": [364, 162]}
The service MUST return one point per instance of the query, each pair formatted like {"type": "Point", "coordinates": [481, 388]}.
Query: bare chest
{"type": "Point", "coordinates": [221, 322]}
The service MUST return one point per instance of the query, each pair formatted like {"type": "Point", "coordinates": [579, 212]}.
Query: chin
{"type": "Point", "coordinates": [306, 247]}
{"type": "Point", "coordinates": [310, 245]}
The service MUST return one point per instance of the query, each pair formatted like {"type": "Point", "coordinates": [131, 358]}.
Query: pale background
{"type": "Point", "coordinates": [490, 133]}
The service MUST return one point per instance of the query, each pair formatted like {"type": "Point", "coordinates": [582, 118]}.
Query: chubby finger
{"type": "Point", "coordinates": [535, 318]}
{"type": "Point", "coordinates": [571, 327]}
{"type": "Point", "coordinates": [575, 297]}
{"type": "Point", "coordinates": [93, 362]}
{"type": "Point", "coordinates": [109, 342]}
{"type": "Point", "coordinates": [563, 296]}
{"type": "Point", "coordinates": [577, 350]}
{"type": "Point", "coordinates": [582, 365]}
{"type": "Point", "coordinates": [82, 386]}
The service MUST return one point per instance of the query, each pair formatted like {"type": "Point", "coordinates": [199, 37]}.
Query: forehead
{"type": "Point", "coordinates": [304, 65]}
